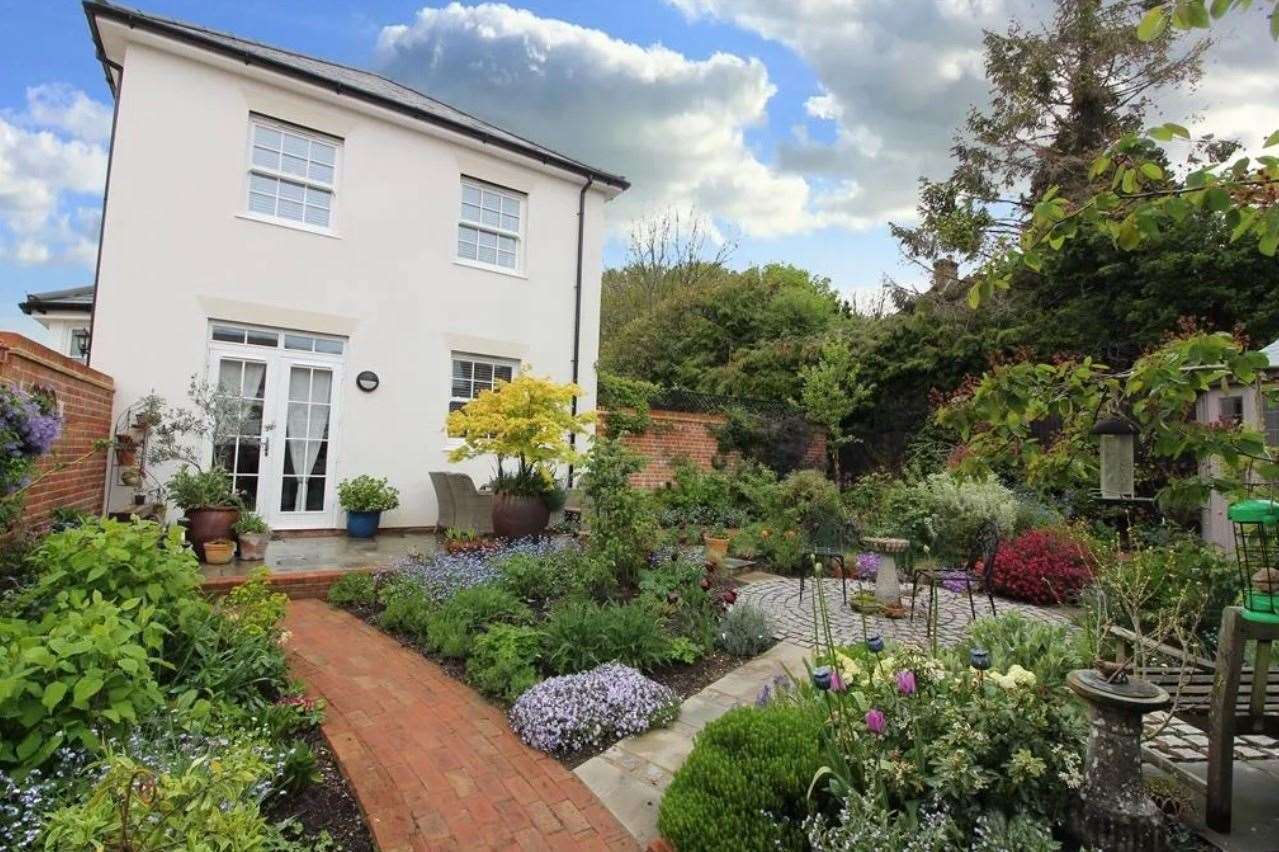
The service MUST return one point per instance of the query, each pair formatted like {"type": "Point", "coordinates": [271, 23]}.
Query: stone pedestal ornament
{"type": "Point", "coordinates": [1114, 812]}
{"type": "Point", "coordinates": [888, 588]}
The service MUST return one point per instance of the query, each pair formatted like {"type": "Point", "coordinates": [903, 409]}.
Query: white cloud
{"type": "Point", "coordinates": [48, 182]}
{"type": "Point", "coordinates": [62, 107]}
{"type": "Point", "coordinates": [898, 76]}
{"type": "Point", "coordinates": [675, 126]}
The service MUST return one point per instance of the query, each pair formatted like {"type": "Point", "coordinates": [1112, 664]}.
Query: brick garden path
{"type": "Point", "coordinates": [434, 765]}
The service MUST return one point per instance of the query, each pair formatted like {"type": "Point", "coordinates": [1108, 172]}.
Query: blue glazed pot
{"type": "Point", "coordinates": [362, 524]}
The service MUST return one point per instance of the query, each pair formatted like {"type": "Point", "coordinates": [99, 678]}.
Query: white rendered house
{"type": "Point", "coordinates": [284, 225]}
{"type": "Point", "coordinates": [66, 314]}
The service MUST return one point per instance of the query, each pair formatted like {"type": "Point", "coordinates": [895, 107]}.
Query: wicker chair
{"type": "Point", "coordinates": [446, 517]}
{"type": "Point", "coordinates": [472, 508]}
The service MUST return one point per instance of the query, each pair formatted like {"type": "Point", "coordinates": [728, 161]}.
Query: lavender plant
{"type": "Point", "coordinates": [565, 714]}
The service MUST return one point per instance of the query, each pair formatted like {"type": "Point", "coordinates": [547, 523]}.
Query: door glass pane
{"type": "Point", "coordinates": [315, 494]}
{"type": "Point", "coordinates": [240, 450]}
{"type": "Point", "coordinates": [321, 384]}
{"type": "Point", "coordinates": [299, 385]}
{"type": "Point", "coordinates": [306, 440]}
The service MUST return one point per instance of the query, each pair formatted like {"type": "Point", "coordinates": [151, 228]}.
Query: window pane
{"type": "Point", "coordinates": [317, 216]}
{"type": "Point", "coordinates": [492, 217]}
{"type": "Point", "coordinates": [266, 136]}
{"type": "Point", "coordinates": [315, 494]}
{"type": "Point", "coordinates": [293, 165]}
{"type": "Point", "coordinates": [254, 386]}
{"type": "Point", "coordinates": [322, 173]}
{"type": "Point", "coordinates": [250, 458]}
{"type": "Point", "coordinates": [318, 197]}
{"type": "Point", "coordinates": [262, 184]}
{"type": "Point", "coordinates": [321, 387]}
{"type": "Point", "coordinates": [322, 153]}
{"type": "Point", "coordinates": [492, 201]}
{"type": "Point", "coordinates": [331, 347]}
{"type": "Point", "coordinates": [506, 259]}
{"type": "Point", "coordinates": [296, 145]}
{"type": "Point", "coordinates": [510, 223]}
{"type": "Point", "coordinates": [510, 206]}
{"type": "Point", "coordinates": [467, 235]}
{"type": "Point", "coordinates": [466, 250]}
{"type": "Point", "coordinates": [470, 213]}
{"type": "Point", "coordinates": [289, 492]}
{"type": "Point", "coordinates": [483, 372]}
{"type": "Point", "coordinates": [487, 255]}
{"type": "Point", "coordinates": [292, 191]}
{"type": "Point", "coordinates": [290, 210]}
{"type": "Point", "coordinates": [230, 335]}
{"type": "Point", "coordinates": [461, 369]}
{"type": "Point", "coordinates": [299, 388]}
{"type": "Point", "coordinates": [262, 203]}
{"type": "Point", "coordinates": [298, 341]}
{"type": "Point", "coordinates": [487, 240]}
{"type": "Point", "coordinates": [470, 195]}
{"type": "Point", "coordinates": [506, 243]}
{"type": "Point", "coordinates": [461, 389]}
{"type": "Point", "coordinates": [266, 159]}
{"type": "Point", "coordinates": [502, 373]}
{"type": "Point", "coordinates": [264, 338]}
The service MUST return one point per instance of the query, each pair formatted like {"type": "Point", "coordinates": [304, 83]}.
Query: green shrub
{"type": "Point", "coordinates": [79, 671]}
{"type": "Point", "coordinates": [219, 656]}
{"type": "Point", "coordinates": [503, 661]}
{"type": "Point", "coordinates": [581, 635]}
{"type": "Point", "coordinates": [299, 769]}
{"type": "Point", "coordinates": [532, 577]}
{"type": "Point", "coordinates": [574, 637]}
{"type": "Point", "coordinates": [451, 629]}
{"type": "Point", "coordinates": [962, 510]}
{"type": "Point", "coordinates": [368, 494]}
{"type": "Point", "coordinates": [253, 606]}
{"type": "Point", "coordinates": [201, 799]}
{"type": "Point", "coordinates": [1051, 651]}
{"type": "Point", "coordinates": [745, 631]}
{"type": "Point", "coordinates": [251, 522]}
{"type": "Point", "coordinates": [408, 609]}
{"type": "Point", "coordinates": [744, 785]}
{"type": "Point", "coordinates": [622, 519]}
{"type": "Point", "coordinates": [190, 488]}
{"type": "Point", "coordinates": [355, 588]}
{"type": "Point", "coordinates": [124, 561]}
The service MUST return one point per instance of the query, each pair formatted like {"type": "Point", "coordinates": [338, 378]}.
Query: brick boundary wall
{"type": "Point", "coordinates": [298, 585]}
{"type": "Point", "coordinates": [682, 434]}
{"type": "Point", "coordinates": [84, 399]}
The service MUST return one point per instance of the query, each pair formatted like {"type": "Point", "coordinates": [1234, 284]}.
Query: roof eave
{"type": "Point", "coordinates": [94, 8]}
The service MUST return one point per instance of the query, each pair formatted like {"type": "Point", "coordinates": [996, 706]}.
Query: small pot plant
{"type": "Point", "coordinates": [219, 551]}
{"type": "Point", "coordinates": [717, 543]}
{"type": "Point", "coordinates": [254, 535]}
{"type": "Point", "coordinates": [209, 501]}
{"type": "Point", "coordinates": [365, 498]}
{"type": "Point", "coordinates": [462, 540]}
{"type": "Point", "coordinates": [527, 420]}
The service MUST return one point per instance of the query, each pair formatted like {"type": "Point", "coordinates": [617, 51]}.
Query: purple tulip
{"type": "Point", "coordinates": [906, 683]}
{"type": "Point", "coordinates": [875, 721]}
{"type": "Point", "coordinates": [837, 682]}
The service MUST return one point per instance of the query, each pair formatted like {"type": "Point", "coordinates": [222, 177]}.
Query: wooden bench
{"type": "Point", "coordinates": [1223, 698]}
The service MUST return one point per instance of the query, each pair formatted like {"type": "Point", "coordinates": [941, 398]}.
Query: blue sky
{"type": "Point", "coordinates": [799, 127]}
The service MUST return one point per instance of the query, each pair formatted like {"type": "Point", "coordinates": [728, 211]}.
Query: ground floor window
{"type": "Point", "coordinates": [474, 374]}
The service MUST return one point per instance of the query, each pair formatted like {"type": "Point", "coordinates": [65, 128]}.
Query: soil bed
{"type": "Point", "coordinates": [327, 805]}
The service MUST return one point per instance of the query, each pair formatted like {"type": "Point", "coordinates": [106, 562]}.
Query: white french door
{"type": "Point", "coordinates": [280, 453]}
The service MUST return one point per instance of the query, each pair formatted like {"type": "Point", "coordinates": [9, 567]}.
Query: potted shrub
{"type": "Point", "coordinates": [254, 535]}
{"type": "Point", "coordinates": [716, 544]}
{"type": "Point", "coordinates": [365, 498]}
{"type": "Point", "coordinates": [528, 420]}
{"type": "Point", "coordinates": [462, 540]}
{"type": "Point", "coordinates": [209, 501]}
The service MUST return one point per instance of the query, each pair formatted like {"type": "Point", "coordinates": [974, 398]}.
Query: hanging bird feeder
{"type": "Point", "coordinates": [1256, 527]}
{"type": "Point", "coordinates": [1118, 468]}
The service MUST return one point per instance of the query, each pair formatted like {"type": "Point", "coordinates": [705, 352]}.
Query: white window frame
{"type": "Point", "coordinates": [497, 230]}
{"type": "Point", "coordinates": [472, 358]}
{"type": "Point", "coordinates": [251, 168]}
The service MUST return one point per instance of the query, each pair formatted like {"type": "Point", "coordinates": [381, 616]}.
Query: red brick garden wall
{"type": "Point", "coordinates": [679, 434]}
{"type": "Point", "coordinates": [84, 399]}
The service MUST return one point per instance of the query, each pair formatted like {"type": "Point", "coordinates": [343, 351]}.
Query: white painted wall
{"type": "Point", "coordinates": [178, 253]}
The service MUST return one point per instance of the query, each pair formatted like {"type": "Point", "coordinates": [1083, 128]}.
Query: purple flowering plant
{"type": "Point", "coordinates": [867, 566]}
{"type": "Point", "coordinates": [443, 575]}
{"type": "Point", "coordinates": [29, 426]}
{"type": "Point", "coordinates": [573, 712]}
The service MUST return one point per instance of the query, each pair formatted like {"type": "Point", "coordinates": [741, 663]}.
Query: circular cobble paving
{"type": "Point", "coordinates": [793, 619]}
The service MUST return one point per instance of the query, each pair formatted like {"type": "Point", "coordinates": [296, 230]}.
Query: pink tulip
{"type": "Point", "coordinates": [836, 682]}
{"type": "Point", "coordinates": [875, 721]}
{"type": "Point", "coordinates": [906, 683]}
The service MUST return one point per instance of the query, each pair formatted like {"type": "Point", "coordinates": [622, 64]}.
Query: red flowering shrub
{"type": "Point", "coordinates": [1042, 566]}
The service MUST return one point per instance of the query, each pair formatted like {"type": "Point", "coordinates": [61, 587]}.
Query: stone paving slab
{"type": "Point", "coordinates": [631, 776]}
{"type": "Point", "coordinates": [433, 765]}
{"type": "Point", "coordinates": [793, 619]}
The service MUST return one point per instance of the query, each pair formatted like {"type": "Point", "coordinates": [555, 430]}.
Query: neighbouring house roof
{"type": "Point", "coordinates": [72, 299]}
{"type": "Point", "coordinates": [1272, 352]}
{"type": "Point", "coordinates": [344, 80]}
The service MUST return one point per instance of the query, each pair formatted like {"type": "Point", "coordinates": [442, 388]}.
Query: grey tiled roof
{"type": "Point", "coordinates": [346, 80]}
{"type": "Point", "coordinates": [69, 298]}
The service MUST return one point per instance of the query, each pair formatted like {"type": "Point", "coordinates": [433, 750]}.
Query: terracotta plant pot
{"type": "Point", "coordinates": [716, 548]}
{"type": "Point", "coordinates": [219, 551]}
{"type": "Point", "coordinates": [208, 524]}
{"type": "Point", "coordinates": [126, 451]}
{"type": "Point", "coordinates": [253, 546]}
{"type": "Point", "coordinates": [516, 516]}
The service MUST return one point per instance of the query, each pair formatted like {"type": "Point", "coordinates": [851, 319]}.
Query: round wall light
{"type": "Point", "coordinates": [367, 381]}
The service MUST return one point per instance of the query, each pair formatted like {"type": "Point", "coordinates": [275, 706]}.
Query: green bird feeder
{"type": "Point", "coordinates": [1256, 525]}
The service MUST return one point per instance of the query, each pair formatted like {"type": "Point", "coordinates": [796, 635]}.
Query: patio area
{"type": "Point", "coordinates": [337, 552]}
